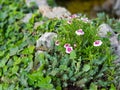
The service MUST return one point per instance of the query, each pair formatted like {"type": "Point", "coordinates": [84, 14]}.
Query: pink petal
{"type": "Point", "coordinates": [69, 49]}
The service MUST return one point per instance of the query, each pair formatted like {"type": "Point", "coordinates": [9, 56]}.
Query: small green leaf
{"type": "Point", "coordinates": [58, 88]}
{"type": "Point", "coordinates": [31, 48]}
{"type": "Point", "coordinates": [15, 69]}
{"type": "Point", "coordinates": [18, 61]}
{"type": "Point", "coordinates": [72, 55]}
{"type": "Point", "coordinates": [86, 67]}
{"type": "Point", "coordinates": [93, 87]}
{"type": "Point", "coordinates": [112, 87]}
{"type": "Point", "coordinates": [2, 53]}
{"type": "Point", "coordinates": [13, 51]}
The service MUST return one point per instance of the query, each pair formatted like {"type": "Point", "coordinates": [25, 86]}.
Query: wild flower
{"type": "Point", "coordinates": [57, 43]}
{"type": "Point", "coordinates": [69, 21]}
{"type": "Point", "coordinates": [66, 45]}
{"type": "Point", "coordinates": [85, 20]}
{"type": "Point", "coordinates": [69, 49]}
{"type": "Point", "coordinates": [74, 16]}
{"type": "Point", "coordinates": [97, 43]}
{"type": "Point", "coordinates": [75, 45]}
{"type": "Point", "coordinates": [79, 32]}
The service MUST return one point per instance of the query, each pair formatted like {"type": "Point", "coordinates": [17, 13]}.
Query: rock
{"type": "Point", "coordinates": [108, 5]}
{"type": "Point", "coordinates": [41, 3]}
{"type": "Point", "coordinates": [115, 44]}
{"type": "Point", "coordinates": [60, 12]}
{"type": "Point", "coordinates": [27, 18]}
{"type": "Point", "coordinates": [38, 52]}
{"type": "Point", "coordinates": [28, 2]}
{"type": "Point", "coordinates": [116, 8]}
{"type": "Point", "coordinates": [45, 41]}
{"type": "Point", "coordinates": [37, 24]}
{"type": "Point", "coordinates": [38, 2]}
{"type": "Point", "coordinates": [45, 9]}
{"type": "Point", "coordinates": [104, 29]}
{"type": "Point", "coordinates": [56, 12]}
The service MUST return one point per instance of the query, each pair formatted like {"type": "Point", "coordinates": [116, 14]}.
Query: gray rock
{"type": "Point", "coordinates": [104, 29]}
{"type": "Point", "coordinates": [56, 12]}
{"type": "Point", "coordinates": [37, 24]}
{"type": "Point", "coordinates": [27, 18]}
{"type": "Point", "coordinates": [38, 2]}
{"type": "Point", "coordinates": [108, 5]}
{"type": "Point", "coordinates": [45, 9]}
{"type": "Point", "coordinates": [39, 52]}
{"type": "Point", "coordinates": [41, 3]}
{"type": "Point", "coordinates": [45, 40]}
{"type": "Point", "coordinates": [115, 44]}
{"type": "Point", "coordinates": [60, 12]}
{"type": "Point", "coordinates": [116, 8]}
{"type": "Point", "coordinates": [28, 2]}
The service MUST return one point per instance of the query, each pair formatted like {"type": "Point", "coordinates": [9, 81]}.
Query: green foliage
{"type": "Point", "coordinates": [87, 67]}
{"type": "Point", "coordinates": [52, 3]}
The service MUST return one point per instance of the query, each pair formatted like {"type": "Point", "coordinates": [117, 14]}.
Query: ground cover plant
{"type": "Point", "coordinates": [80, 57]}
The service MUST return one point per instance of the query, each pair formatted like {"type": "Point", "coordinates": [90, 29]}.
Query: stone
{"type": "Point", "coordinates": [104, 29]}
{"type": "Point", "coordinates": [56, 12]}
{"type": "Point", "coordinates": [45, 9]}
{"type": "Point", "coordinates": [116, 8]}
{"type": "Point", "coordinates": [115, 44]}
{"type": "Point", "coordinates": [60, 12]}
{"type": "Point", "coordinates": [27, 18]}
{"type": "Point", "coordinates": [38, 2]}
{"type": "Point", "coordinates": [28, 2]}
{"type": "Point", "coordinates": [37, 24]}
{"type": "Point", "coordinates": [45, 41]}
{"type": "Point", "coordinates": [41, 3]}
{"type": "Point", "coordinates": [108, 5]}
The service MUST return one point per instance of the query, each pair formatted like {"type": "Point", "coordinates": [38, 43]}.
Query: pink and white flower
{"type": "Point", "coordinates": [79, 32]}
{"type": "Point", "coordinates": [97, 43]}
{"type": "Point", "coordinates": [57, 43]}
{"type": "Point", "coordinates": [66, 45]}
{"type": "Point", "coordinates": [74, 16]}
{"type": "Point", "coordinates": [69, 21]}
{"type": "Point", "coordinates": [75, 45]}
{"type": "Point", "coordinates": [85, 20]}
{"type": "Point", "coordinates": [69, 49]}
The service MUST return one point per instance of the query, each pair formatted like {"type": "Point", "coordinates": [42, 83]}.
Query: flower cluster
{"type": "Point", "coordinates": [79, 32]}
{"type": "Point", "coordinates": [68, 48]}
{"type": "Point", "coordinates": [86, 20]}
{"type": "Point", "coordinates": [97, 43]}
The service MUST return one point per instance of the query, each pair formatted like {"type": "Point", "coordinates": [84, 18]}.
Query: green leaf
{"type": "Point", "coordinates": [15, 69]}
{"type": "Point", "coordinates": [2, 53]}
{"type": "Point", "coordinates": [86, 68]}
{"type": "Point", "coordinates": [18, 61]}
{"type": "Point", "coordinates": [58, 88]}
{"type": "Point", "coordinates": [13, 51]}
{"type": "Point", "coordinates": [72, 55]}
{"type": "Point", "coordinates": [31, 48]}
{"type": "Point", "coordinates": [112, 87]}
{"type": "Point", "coordinates": [1, 87]}
{"type": "Point", "coordinates": [4, 60]}
{"type": "Point", "coordinates": [93, 87]}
